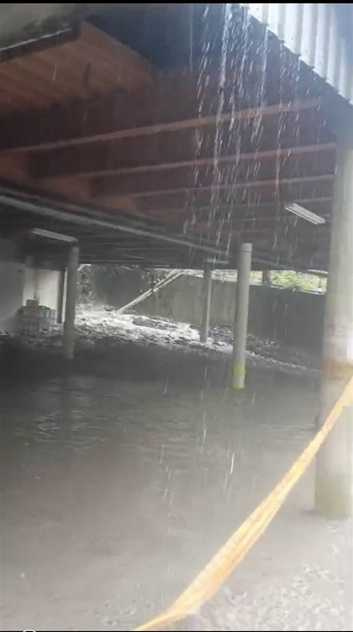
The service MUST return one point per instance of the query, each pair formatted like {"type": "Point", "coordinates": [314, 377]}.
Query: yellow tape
{"type": "Point", "coordinates": [211, 578]}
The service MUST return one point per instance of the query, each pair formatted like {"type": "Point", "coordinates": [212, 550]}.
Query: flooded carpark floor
{"type": "Point", "coordinates": [121, 477]}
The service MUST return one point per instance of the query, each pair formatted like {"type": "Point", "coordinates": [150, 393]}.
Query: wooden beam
{"type": "Point", "coordinates": [251, 184]}
{"type": "Point", "coordinates": [223, 234]}
{"type": "Point", "coordinates": [127, 68]}
{"type": "Point", "coordinates": [223, 176]}
{"type": "Point", "coordinates": [103, 120]}
{"type": "Point", "coordinates": [240, 199]}
{"type": "Point", "coordinates": [93, 65]}
{"type": "Point", "coordinates": [178, 211]}
{"type": "Point", "coordinates": [87, 216]}
{"type": "Point", "coordinates": [170, 147]}
{"type": "Point", "coordinates": [253, 224]}
{"type": "Point", "coordinates": [277, 224]}
{"type": "Point", "coordinates": [52, 170]}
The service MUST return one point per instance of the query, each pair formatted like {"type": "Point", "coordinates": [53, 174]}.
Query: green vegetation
{"type": "Point", "coordinates": [96, 282]}
{"type": "Point", "coordinates": [293, 280]}
{"type": "Point", "coordinates": [299, 281]}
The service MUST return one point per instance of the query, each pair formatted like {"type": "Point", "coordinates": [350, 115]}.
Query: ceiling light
{"type": "Point", "coordinates": [302, 212]}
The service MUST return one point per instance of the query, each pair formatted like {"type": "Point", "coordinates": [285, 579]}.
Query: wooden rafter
{"type": "Point", "coordinates": [256, 156]}
{"type": "Point", "coordinates": [250, 184]}
{"type": "Point", "coordinates": [45, 134]}
{"type": "Point", "coordinates": [178, 211]}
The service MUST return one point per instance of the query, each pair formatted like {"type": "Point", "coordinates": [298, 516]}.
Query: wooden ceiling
{"type": "Point", "coordinates": [206, 151]}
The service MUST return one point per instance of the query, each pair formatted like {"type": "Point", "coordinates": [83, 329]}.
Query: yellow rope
{"type": "Point", "coordinates": [223, 563]}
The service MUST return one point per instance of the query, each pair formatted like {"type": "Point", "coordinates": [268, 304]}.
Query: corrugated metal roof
{"type": "Point", "coordinates": [321, 34]}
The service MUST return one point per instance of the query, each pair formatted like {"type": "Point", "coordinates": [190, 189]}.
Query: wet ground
{"type": "Point", "coordinates": [122, 476]}
{"type": "Point", "coordinates": [105, 329]}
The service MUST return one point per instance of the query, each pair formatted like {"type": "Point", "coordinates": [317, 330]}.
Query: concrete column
{"type": "Point", "coordinates": [206, 303]}
{"type": "Point", "coordinates": [155, 295]}
{"type": "Point", "coordinates": [61, 295]}
{"type": "Point", "coordinates": [36, 284]}
{"type": "Point", "coordinates": [334, 479]}
{"type": "Point", "coordinates": [29, 276]}
{"type": "Point", "coordinates": [266, 277]}
{"type": "Point", "coordinates": [70, 307]}
{"type": "Point", "coordinates": [241, 315]}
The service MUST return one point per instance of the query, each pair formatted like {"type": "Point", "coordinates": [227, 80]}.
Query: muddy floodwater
{"type": "Point", "coordinates": [121, 478]}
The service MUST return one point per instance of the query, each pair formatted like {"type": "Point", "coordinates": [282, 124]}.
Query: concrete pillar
{"type": "Point", "coordinates": [206, 303]}
{"type": "Point", "coordinates": [241, 315]}
{"type": "Point", "coordinates": [266, 277]}
{"type": "Point", "coordinates": [36, 284]}
{"type": "Point", "coordinates": [70, 307]}
{"type": "Point", "coordinates": [29, 276]}
{"type": "Point", "coordinates": [155, 295]}
{"type": "Point", "coordinates": [61, 295]}
{"type": "Point", "coordinates": [334, 479]}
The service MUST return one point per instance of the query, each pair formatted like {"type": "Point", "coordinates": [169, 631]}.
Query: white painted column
{"type": "Point", "coordinates": [206, 303]}
{"type": "Point", "coordinates": [61, 296]}
{"type": "Point", "coordinates": [29, 282]}
{"type": "Point", "coordinates": [70, 307]}
{"type": "Point", "coordinates": [334, 474]}
{"type": "Point", "coordinates": [241, 316]}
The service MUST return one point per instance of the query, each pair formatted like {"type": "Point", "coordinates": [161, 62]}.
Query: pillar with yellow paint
{"type": "Point", "coordinates": [241, 316]}
{"type": "Point", "coordinates": [334, 471]}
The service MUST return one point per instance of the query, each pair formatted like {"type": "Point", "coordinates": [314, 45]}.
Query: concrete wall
{"type": "Point", "coordinates": [11, 284]}
{"type": "Point", "coordinates": [295, 318]}
{"type": "Point", "coordinates": [42, 285]}
{"type": "Point", "coordinates": [19, 282]}
{"type": "Point", "coordinates": [118, 286]}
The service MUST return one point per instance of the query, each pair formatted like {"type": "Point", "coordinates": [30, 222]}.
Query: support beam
{"type": "Point", "coordinates": [241, 318]}
{"type": "Point", "coordinates": [61, 294]}
{"type": "Point", "coordinates": [106, 162]}
{"type": "Point", "coordinates": [206, 302]}
{"type": "Point", "coordinates": [108, 187]}
{"type": "Point", "coordinates": [242, 212]}
{"type": "Point", "coordinates": [334, 471]}
{"type": "Point", "coordinates": [74, 214]}
{"type": "Point", "coordinates": [102, 120]}
{"type": "Point", "coordinates": [70, 307]}
{"type": "Point", "coordinates": [153, 291]}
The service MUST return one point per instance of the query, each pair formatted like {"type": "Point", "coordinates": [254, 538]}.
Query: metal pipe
{"type": "Point", "coordinates": [241, 315]}
{"type": "Point", "coordinates": [91, 218]}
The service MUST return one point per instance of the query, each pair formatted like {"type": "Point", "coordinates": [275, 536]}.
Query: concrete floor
{"type": "Point", "coordinates": [120, 479]}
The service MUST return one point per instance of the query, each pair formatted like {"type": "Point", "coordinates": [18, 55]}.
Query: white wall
{"type": "Point", "coordinates": [11, 284]}
{"type": "Point", "coordinates": [11, 292]}
{"type": "Point", "coordinates": [42, 285]}
{"type": "Point", "coordinates": [19, 282]}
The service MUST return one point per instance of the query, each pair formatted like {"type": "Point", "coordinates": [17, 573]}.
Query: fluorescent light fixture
{"type": "Point", "coordinates": [303, 213]}
{"type": "Point", "coordinates": [49, 234]}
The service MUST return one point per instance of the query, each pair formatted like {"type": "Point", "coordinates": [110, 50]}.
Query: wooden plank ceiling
{"type": "Point", "coordinates": [208, 150]}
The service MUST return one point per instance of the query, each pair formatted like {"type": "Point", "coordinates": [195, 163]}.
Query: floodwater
{"type": "Point", "coordinates": [116, 491]}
